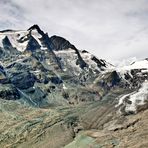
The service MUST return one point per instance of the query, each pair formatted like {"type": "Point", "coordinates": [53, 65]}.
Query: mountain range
{"type": "Point", "coordinates": [54, 95]}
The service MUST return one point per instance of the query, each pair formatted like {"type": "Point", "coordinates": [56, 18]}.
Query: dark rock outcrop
{"type": "Point", "coordinates": [8, 92]}
{"type": "Point", "coordinates": [100, 63]}
{"type": "Point", "coordinates": [58, 43]}
{"type": "Point", "coordinates": [32, 44]}
{"type": "Point", "coordinates": [7, 44]}
{"type": "Point", "coordinates": [23, 80]}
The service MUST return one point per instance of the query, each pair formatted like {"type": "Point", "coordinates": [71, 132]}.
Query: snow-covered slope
{"type": "Point", "coordinates": [135, 101]}
{"type": "Point", "coordinates": [14, 37]}
{"type": "Point", "coordinates": [135, 73]}
{"type": "Point", "coordinates": [143, 64]}
{"type": "Point", "coordinates": [63, 52]}
{"type": "Point", "coordinates": [135, 76]}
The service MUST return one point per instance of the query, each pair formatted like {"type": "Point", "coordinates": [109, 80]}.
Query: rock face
{"type": "Point", "coordinates": [3, 78]}
{"type": "Point", "coordinates": [6, 43]}
{"type": "Point", "coordinates": [23, 80]}
{"type": "Point", "coordinates": [50, 92]}
{"type": "Point", "coordinates": [8, 92]}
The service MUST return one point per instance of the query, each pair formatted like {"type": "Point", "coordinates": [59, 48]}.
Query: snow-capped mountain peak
{"type": "Point", "coordinates": [60, 50]}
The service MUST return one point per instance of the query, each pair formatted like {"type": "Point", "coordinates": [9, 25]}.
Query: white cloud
{"type": "Point", "coordinates": [110, 29]}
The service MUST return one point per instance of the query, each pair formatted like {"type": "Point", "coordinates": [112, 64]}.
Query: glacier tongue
{"type": "Point", "coordinates": [132, 101]}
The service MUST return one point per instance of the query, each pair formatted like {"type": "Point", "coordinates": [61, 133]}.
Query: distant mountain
{"type": "Point", "coordinates": [47, 85]}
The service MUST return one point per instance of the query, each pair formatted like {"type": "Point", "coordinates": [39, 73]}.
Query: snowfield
{"type": "Point", "coordinates": [136, 99]}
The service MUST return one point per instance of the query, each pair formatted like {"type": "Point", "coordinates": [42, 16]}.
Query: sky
{"type": "Point", "coordinates": [114, 30]}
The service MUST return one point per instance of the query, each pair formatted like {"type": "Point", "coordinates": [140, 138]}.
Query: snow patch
{"type": "Point", "coordinates": [136, 65]}
{"type": "Point", "coordinates": [1, 38]}
{"type": "Point", "coordinates": [37, 36]}
{"type": "Point", "coordinates": [64, 87]}
{"type": "Point", "coordinates": [69, 58]}
{"type": "Point", "coordinates": [87, 58]}
{"type": "Point", "coordinates": [14, 36]}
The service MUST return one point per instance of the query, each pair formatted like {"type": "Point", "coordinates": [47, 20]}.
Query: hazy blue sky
{"type": "Point", "coordinates": [110, 29]}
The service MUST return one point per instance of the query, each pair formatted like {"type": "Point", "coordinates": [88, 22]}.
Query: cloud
{"type": "Point", "coordinates": [110, 29]}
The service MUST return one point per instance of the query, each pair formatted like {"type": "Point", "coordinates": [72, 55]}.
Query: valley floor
{"type": "Point", "coordinates": [92, 125]}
